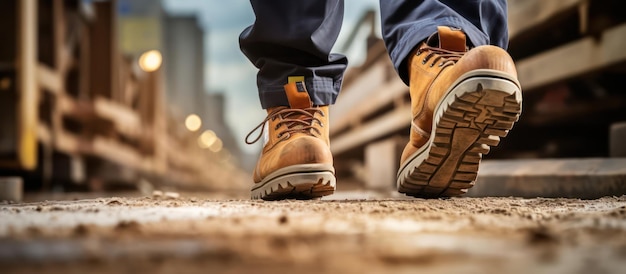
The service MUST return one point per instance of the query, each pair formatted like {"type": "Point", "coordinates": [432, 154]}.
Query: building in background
{"type": "Point", "coordinates": [183, 56]}
{"type": "Point", "coordinates": [144, 26]}
{"type": "Point", "coordinates": [213, 110]}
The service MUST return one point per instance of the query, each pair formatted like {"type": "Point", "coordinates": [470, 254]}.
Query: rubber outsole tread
{"type": "Point", "coordinates": [285, 189]}
{"type": "Point", "coordinates": [466, 129]}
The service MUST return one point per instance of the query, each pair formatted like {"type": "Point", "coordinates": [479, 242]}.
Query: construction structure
{"type": "Point", "coordinates": [571, 64]}
{"type": "Point", "coordinates": [80, 113]}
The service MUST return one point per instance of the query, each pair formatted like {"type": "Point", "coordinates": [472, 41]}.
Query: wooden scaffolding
{"type": "Point", "coordinates": [77, 112]}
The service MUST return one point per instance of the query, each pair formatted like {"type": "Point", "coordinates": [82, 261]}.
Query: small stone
{"type": "Point", "coordinates": [157, 194]}
{"type": "Point", "coordinates": [114, 202]}
{"type": "Point", "coordinates": [172, 195]}
{"type": "Point", "coordinates": [283, 219]}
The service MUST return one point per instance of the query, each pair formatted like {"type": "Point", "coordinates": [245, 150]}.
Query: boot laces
{"type": "Point", "coordinates": [295, 120]}
{"type": "Point", "coordinates": [447, 57]}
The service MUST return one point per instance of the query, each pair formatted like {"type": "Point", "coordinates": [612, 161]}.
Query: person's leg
{"type": "Point", "coordinates": [407, 23]}
{"type": "Point", "coordinates": [294, 38]}
{"type": "Point", "coordinates": [298, 78]}
{"type": "Point", "coordinates": [464, 92]}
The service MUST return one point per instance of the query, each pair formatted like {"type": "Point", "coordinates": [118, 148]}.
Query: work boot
{"type": "Point", "coordinates": [296, 162]}
{"type": "Point", "coordinates": [469, 99]}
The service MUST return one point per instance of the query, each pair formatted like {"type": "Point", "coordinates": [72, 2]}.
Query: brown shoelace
{"type": "Point", "coordinates": [296, 120]}
{"type": "Point", "coordinates": [449, 57]}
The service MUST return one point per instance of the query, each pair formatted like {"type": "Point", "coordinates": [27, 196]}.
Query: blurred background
{"type": "Point", "coordinates": [144, 94]}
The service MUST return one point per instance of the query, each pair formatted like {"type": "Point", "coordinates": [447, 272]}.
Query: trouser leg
{"type": "Point", "coordinates": [294, 38]}
{"type": "Point", "coordinates": [407, 23]}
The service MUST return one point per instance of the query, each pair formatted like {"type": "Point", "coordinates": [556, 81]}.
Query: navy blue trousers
{"type": "Point", "coordinates": [295, 37]}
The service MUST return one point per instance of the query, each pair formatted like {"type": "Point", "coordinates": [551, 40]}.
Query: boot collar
{"type": "Point", "coordinates": [448, 38]}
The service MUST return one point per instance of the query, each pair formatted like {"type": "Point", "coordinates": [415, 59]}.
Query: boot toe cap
{"type": "Point", "coordinates": [305, 150]}
{"type": "Point", "coordinates": [488, 57]}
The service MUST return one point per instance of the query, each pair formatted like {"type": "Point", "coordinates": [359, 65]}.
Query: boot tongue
{"type": "Point", "coordinates": [298, 98]}
{"type": "Point", "coordinates": [448, 38]}
{"type": "Point", "coordinates": [297, 94]}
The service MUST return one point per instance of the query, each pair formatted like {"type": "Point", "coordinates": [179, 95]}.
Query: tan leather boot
{"type": "Point", "coordinates": [296, 162]}
{"type": "Point", "coordinates": [468, 99]}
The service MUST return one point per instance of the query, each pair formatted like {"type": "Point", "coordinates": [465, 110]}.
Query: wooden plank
{"type": "Point", "coordinates": [103, 148]}
{"type": "Point", "coordinates": [84, 62]}
{"type": "Point", "coordinates": [360, 89]}
{"type": "Point", "coordinates": [102, 115]}
{"type": "Point", "coordinates": [43, 134]}
{"type": "Point", "coordinates": [49, 79]}
{"type": "Point", "coordinates": [69, 143]}
{"type": "Point", "coordinates": [102, 73]}
{"type": "Point", "coordinates": [574, 111]}
{"type": "Point", "coordinates": [27, 83]}
{"type": "Point", "coordinates": [384, 95]}
{"type": "Point", "coordinates": [392, 121]}
{"type": "Point", "coordinates": [524, 15]}
{"type": "Point", "coordinates": [376, 52]}
{"type": "Point", "coordinates": [125, 119]}
{"type": "Point", "coordinates": [577, 58]}
{"type": "Point", "coordinates": [117, 152]}
{"type": "Point", "coordinates": [589, 178]}
{"type": "Point", "coordinates": [152, 109]}
{"type": "Point", "coordinates": [82, 110]}
{"type": "Point", "coordinates": [60, 28]}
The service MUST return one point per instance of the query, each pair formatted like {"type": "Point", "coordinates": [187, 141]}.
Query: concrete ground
{"type": "Point", "coordinates": [350, 232]}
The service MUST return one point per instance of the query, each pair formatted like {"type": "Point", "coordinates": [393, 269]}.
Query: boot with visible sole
{"type": "Point", "coordinates": [296, 162]}
{"type": "Point", "coordinates": [462, 103]}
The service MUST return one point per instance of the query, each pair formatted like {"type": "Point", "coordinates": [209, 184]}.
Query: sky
{"type": "Point", "coordinates": [229, 71]}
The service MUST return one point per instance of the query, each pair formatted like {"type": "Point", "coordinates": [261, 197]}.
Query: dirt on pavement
{"type": "Point", "coordinates": [338, 234]}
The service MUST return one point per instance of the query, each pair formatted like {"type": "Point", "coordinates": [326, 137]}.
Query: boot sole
{"type": "Point", "coordinates": [301, 182]}
{"type": "Point", "coordinates": [471, 118]}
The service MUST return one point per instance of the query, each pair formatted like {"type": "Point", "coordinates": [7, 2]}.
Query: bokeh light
{"type": "Point", "coordinates": [216, 146]}
{"type": "Point", "coordinates": [207, 139]}
{"type": "Point", "coordinates": [150, 61]}
{"type": "Point", "coordinates": [193, 122]}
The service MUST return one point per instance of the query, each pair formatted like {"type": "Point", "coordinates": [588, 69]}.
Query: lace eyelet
{"type": "Point", "coordinates": [424, 61]}
{"type": "Point", "coordinates": [419, 52]}
{"type": "Point", "coordinates": [441, 64]}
